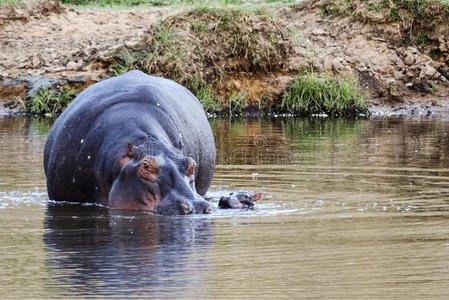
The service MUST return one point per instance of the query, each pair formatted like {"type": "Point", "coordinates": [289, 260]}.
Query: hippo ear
{"type": "Point", "coordinates": [131, 152]}
{"type": "Point", "coordinates": [257, 196]}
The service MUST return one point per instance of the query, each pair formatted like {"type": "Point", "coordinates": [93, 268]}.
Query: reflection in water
{"type": "Point", "coordinates": [22, 143]}
{"type": "Point", "coordinates": [351, 209]}
{"type": "Point", "coordinates": [385, 142]}
{"type": "Point", "coordinates": [92, 251]}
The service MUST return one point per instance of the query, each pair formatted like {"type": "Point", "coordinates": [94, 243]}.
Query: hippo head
{"type": "Point", "coordinates": [241, 199]}
{"type": "Point", "coordinates": [157, 179]}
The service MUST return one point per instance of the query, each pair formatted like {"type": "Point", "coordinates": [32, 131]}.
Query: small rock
{"type": "Point", "coordinates": [22, 66]}
{"type": "Point", "coordinates": [427, 71]}
{"type": "Point", "coordinates": [135, 44]}
{"type": "Point", "coordinates": [336, 65]}
{"type": "Point", "coordinates": [78, 79]}
{"type": "Point", "coordinates": [422, 86]}
{"type": "Point", "coordinates": [397, 75]}
{"type": "Point", "coordinates": [58, 69]}
{"type": "Point", "coordinates": [413, 50]}
{"type": "Point", "coordinates": [327, 65]}
{"type": "Point", "coordinates": [4, 75]}
{"type": "Point", "coordinates": [318, 31]}
{"type": "Point", "coordinates": [73, 66]}
{"type": "Point", "coordinates": [443, 44]}
{"type": "Point", "coordinates": [410, 74]}
{"type": "Point", "coordinates": [386, 69]}
{"type": "Point", "coordinates": [409, 60]}
{"type": "Point", "coordinates": [36, 62]}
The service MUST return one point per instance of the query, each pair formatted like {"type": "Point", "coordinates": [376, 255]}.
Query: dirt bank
{"type": "Point", "coordinates": [397, 60]}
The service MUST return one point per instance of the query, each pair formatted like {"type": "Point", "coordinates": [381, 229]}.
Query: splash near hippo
{"type": "Point", "coordinates": [132, 142]}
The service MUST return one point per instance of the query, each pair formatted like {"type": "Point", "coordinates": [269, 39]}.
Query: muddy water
{"type": "Point", "coordinates": [351, 209]}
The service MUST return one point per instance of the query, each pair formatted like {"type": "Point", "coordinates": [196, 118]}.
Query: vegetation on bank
{"type": "Point", "coordinates": [205, 47]}
{"type": "Point", "coordinates": [312, 93]}
{"type": "Point", "coordinates": [175, 3]}
{"type": "Point", "coordinates": [47, 103]}
{"type": "Point", "coordinates": [14, 2]}
{"type": "Point", "coordinates": [307, 94]}
{"type": "Point", "coordinates": [255, 4]}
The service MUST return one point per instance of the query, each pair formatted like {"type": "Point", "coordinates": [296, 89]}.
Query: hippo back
{"type": "Point", "coordinates": [99, 123]}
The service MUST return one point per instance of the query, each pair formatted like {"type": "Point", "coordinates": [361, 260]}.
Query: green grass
{"type": "Point", "coordinates": [49, 103]}
{"type": "Point", "coordinates": [394, 9]}
{"type": "Point", "coordinates": [124, 64]}
{"type": "Point", "coordinates": [314, 94]}
{"type": "Point", "coordinates": [174, 3]}
{"type": "Point", "coordinates": [236, 102]}
{"type": "Point", "coordinates": [208, 99]}
{"type": "Point", "coordinates": [111, 3]}
{"type": "Point", "coordinates": [15, 2]}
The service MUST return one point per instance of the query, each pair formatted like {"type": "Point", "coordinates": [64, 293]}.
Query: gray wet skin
{"type": "Point", "coordinates": [241, 199]}
{"type": "Point", "coordinates": [132, 142]}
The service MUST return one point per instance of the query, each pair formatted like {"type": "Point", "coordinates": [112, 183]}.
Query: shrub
{"type": "Point", "coordinates": [313, 94]}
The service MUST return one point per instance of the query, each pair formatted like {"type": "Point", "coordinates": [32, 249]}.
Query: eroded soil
{"type": "Point", "coordinates": [65, 41]}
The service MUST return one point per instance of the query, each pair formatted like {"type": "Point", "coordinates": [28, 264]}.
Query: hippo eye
{"type": "Point", "coordinates": [149, 169]}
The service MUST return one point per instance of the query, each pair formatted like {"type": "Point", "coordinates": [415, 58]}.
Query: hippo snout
{"type": "Point", "coordinates": [202, 207]}
{"type": "Point", "coordinates": [184, 207]}
{"type": "Point", "coordinates": [175, 207]}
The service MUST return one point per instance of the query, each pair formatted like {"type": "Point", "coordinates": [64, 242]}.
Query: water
{"type": "Point", "coordinates": [351, 210]}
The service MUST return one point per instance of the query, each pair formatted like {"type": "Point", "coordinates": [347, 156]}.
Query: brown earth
{"type": "Point", "coordinates": [393, 69]}
{"type": "Point", "coordinates": [64, 41]}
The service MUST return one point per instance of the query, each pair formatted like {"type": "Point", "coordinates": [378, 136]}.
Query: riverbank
{"type": "Point", "coordinates": [235, 58]}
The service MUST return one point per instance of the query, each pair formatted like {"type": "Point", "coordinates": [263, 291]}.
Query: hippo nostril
{"type": "Point", "coordinates": [186, 209]}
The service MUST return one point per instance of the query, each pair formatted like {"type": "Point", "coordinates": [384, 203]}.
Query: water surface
{"type": "Point", "coordinates": [351, 209]}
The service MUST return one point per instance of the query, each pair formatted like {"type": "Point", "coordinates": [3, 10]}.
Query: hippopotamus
{"type": "Point", "coordinates": [134, 142]}
{"type": "Point", "coordinates": [241, 199]}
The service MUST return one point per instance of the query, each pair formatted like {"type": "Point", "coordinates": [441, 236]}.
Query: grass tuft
{"type": "Point", "coordinates": [11, 2]}
{"type": "Point", "coordinates": [125, 61]}
{"type": "Point", "coordinates": [236, 102]}
{"type": "Point", "coordinates": [208, 99]}
{"type": "Point", "coordinates": [314, 94]}
{"type": "Point", "coordinates": [49, 103]}
{"type": "Point", "coordinates": [249, 5]}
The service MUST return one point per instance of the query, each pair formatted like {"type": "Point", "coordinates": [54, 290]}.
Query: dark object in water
{"type": "Point", "coordinates": [241, 199]}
